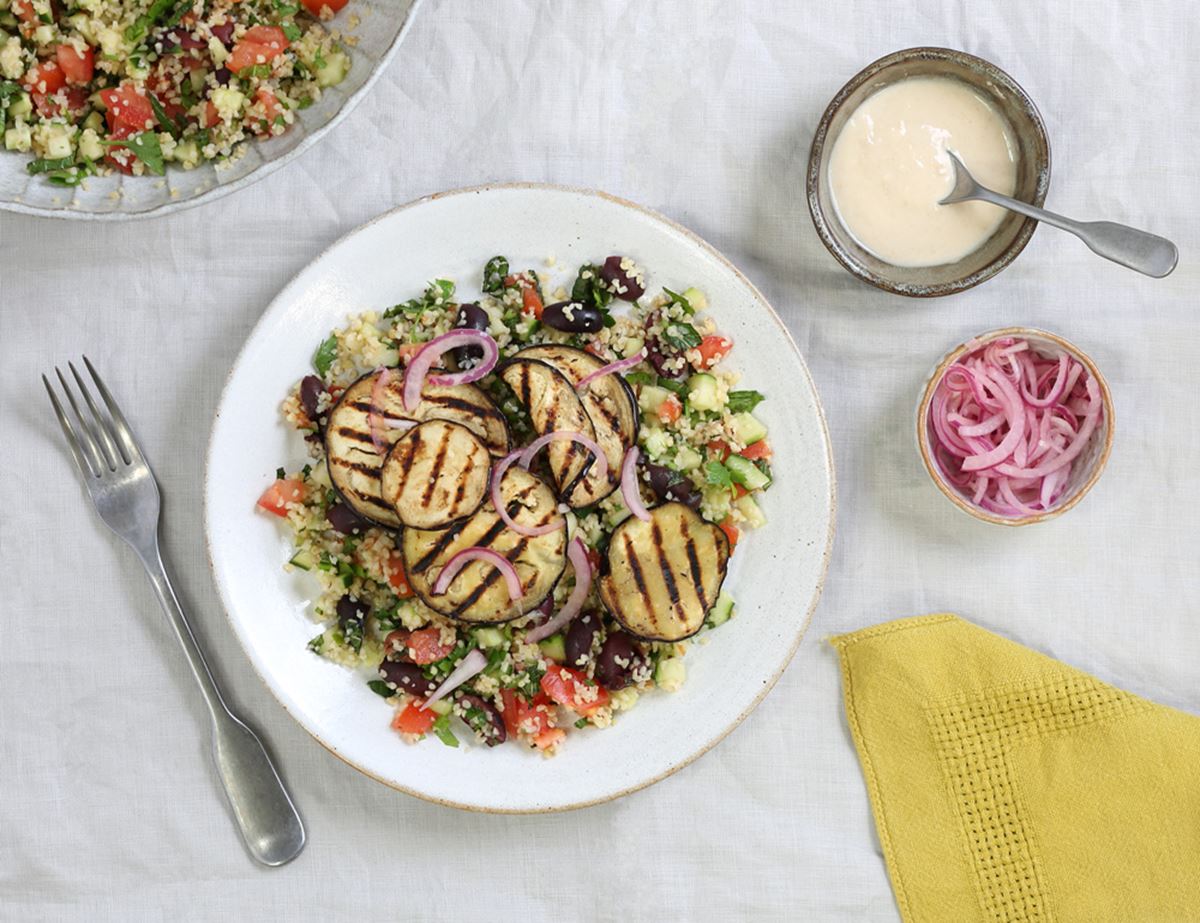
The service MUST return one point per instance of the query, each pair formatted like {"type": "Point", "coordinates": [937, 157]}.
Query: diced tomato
{"type": "Point", "coordinates": [77, 68]}
{"type": "Point", "coordinates": [534, 718]}
{"type": "Point", "coordinates": [46, 78]}
{"type": "Point", "coordinates": [531, 301]}
{"type": "Point", "coordinates": [314, 6]}
{"type": "Point", "coordinates": [571, 688]}
{"type": "Point", "coordinates": [396, 577]}
{"type": "Point", "coordinates": [121, 159]}
{"type": "Point", "coordinates": [271, 110]}
{"type": "Point", "coordinates": [597, 349]}
{"type": "Point", "coordinates": [50, 106]}
{"type": "Point", "coordinates": [128, 111]}
{"type": "Point", "coordinates": [210, 116]}
{"type": "Point", "coordinates": [408, 350]}
{"type": "Point", "coordinates": [756, 450]}
{"type": "Point", "coordinates": [713, 349]}
{"type": "Point", "coordinates": [425, 646]}
{"type": "Point", "coordinates": [731, 532]}
{"type": "Point", "coordinates": [275, 499]}
{"type": "Point", "coordinates": [396, 640]}
{"type": "Point", "coordinates": [719, 449]}
{"type": "Point", "coordinates": [549, 738]}
{"type": "Point", "coordinates": [670, 409]}
{"type": "Point", "coordinates": [266, 42]}
{"type": "Point", "coordinates": [593, 557]}
{"type": "Point", "coordinates": [25, 11]}
{"type": "Point", "coordinates": [508, 698]}
{"type": "Point", "coordinates": [414, 720]}
{"type": "Point", "coordinates": [739, 491]}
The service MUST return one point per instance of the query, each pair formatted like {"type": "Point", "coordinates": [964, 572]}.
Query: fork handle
{"type": "Point", "coordinates": [262, 807]}
{"type": "Point", "coordinates": [1139, 250]}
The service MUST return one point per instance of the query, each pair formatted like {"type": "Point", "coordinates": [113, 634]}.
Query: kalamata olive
{"type": "Point", "coordinates": [223, 75]}
{"type": "Point", "coordinates": [623, 284]}
{"type": "Point", "coordinates": [184, 39]}
{"type": "Point", "coordinates": [343, 519]}
{"type": "Point", "coordinates": [483, 718]}
{"type": "Point", "coordinates": [350, 610]}
{"type": "Point", "coordinates": [670, 485]}
{"type": "Point", "coordinates": [406, 677]}
{"type": "Point", "coordinates": [224, 33]}
{"type": "Point", "coordinates": [546, 606]}
{"type": "Point", "coordinates": [617, 659]}
{"type": "Point", "coordinates": [667, 366]}
{"type": "Point", "coordinates": [470, 317]}
{"type": "Point", "coordinates": [580, 637]}
{"type": "Point", "coordinates": [572, 317]}
{"type": "Point", "coordinates": [311, 389]}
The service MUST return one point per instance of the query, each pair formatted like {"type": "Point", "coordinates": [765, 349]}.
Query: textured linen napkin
{"type": "Point", "coordinates": [1008, 786]}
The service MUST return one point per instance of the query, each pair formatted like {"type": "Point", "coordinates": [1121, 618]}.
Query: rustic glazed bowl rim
{"type": "Point", "coordinates": [822, 222]}
{"type": "Point", "coordinates": [931, 466]}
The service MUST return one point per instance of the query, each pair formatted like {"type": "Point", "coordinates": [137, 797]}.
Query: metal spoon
{"type": "Point", "coordinates": [1147, 253]}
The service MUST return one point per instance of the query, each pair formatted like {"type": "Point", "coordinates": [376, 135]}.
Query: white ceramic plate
{"type": "Point", "coordinates": [775, 576]}
{"type": "Point", "coordinates": [382, 24]}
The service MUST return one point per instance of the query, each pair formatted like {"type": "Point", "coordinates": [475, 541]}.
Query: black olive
{"type": "Point", "coordinates": [572, 317]}
{"type": "Point", "coordinates": [311, 389]}
{"type": "Point", "coordinates": [482, 717]}
{"type": "Point", "coordinates": [617, 660]}
{"type": "Point", "coordinates": [351, 610]}
{"type": "Point", "coordinates": [623, 285]}
{"type": "Point", "coordinates": [670, 485]}
{"type": "Point", "coordinates": [470, 317]}
{"type": "Point", "coordinates": [581, 635]}
{"type": "Point", "coordinates": [344, 520]}
{"type": "Point", "coordinates": [407, 677]}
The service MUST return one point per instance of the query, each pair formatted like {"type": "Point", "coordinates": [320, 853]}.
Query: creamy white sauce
{"type": "Point", "coordinates": [889, 167]}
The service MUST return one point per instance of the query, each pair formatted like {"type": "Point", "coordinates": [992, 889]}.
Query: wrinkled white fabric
{"type": "Point", "coordinates": [705, 111]}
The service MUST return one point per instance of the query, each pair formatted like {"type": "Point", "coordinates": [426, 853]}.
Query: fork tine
{"type": "Point", "coordinates": [72, 442]}
{"type": "Point", "coordinates": [87, 439]}
{"type": "Point", "coordinates": [124, 434]}
{"type": "Point", "coordinates": [103, 424]}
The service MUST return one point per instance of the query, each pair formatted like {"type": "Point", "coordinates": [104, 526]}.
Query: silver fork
{"type": "Point", "coordinates": [123, 489]}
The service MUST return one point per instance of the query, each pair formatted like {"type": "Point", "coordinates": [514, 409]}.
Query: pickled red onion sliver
{"type": "Point", "coordinates": [497, 498]}
{"type": "Point", "coordinates": [577, 555]}
{"type": "Point", "coordinates": [560, 434]}
{"type": "Point", "coordinates": [423, 360]}
{"type": "Point", "coordinates": [377, 391]}
{"type": "Point", "coordinates": [1006, 424]}
{"type": "Point", "coordinates": [618, 366]}
{"type": "Point", "coordinates": [476, 553]}
{"type": "Point", "coordinates": [629, 485]}
{"type": "Point", "coordinates": [469, 667]}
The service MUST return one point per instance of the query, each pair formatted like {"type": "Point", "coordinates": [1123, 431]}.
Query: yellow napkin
{"type": "Point", "coordinates": [1008, 786]}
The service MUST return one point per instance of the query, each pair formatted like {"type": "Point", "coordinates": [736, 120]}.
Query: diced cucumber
{"type": "Point", "coordinates": [657, 442]}
{"type": "Point", "coordinates": [670, 674]}
{"type": "Point", "coordinates": [752, 511]}
{"type": "Point", "coordinates": [715, 503]}
{"type": "Point", "coordinates": [94, 121]}
{"type": "Point", "coordinates": [747, 428]}
{"type": "Point", "coordinates": [303, 559]}
{"type": "Point", "coordinates": [441, 707]}
{"type": "Point", "coordinates": [703, 393]}
{"type": "Point", "coordinates": [651, 398]}
{"type": "Point", "coordinates": [20, 106]}
{"type": "Point", "coordinates": [617, 515]}
{"type": "Point", "coordinates": [90, 146]}
{"type": "Point", "coordinates": [696, 298]}
{"type": "Point", "coordinates": [187, 155]}
{"type": "Point", "coordinates": [687, 458]}
{"type": "Point", "coordinates": [553, 648]}
{"type": "Point", "coordinates": [721, 611]}
{"type": "Point", "coordinates": [744, 472]}
{"type": "Point", "coordinates": [334, 70]}
{"type": "Point", "coordinates": [489, 637]}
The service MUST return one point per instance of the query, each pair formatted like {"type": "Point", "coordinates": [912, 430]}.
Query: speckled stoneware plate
{"type": "Point", "coordinates": [381, 24]}
{"type": "Point", "coordinates": [776, 574]}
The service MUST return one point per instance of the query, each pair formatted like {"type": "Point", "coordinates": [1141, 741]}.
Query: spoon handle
{"type": "Point", "coordinates": [1147, 253]}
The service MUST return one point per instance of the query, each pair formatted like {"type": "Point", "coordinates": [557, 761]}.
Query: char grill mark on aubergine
{"type": "Point", "coordinates": [693, 563]}
{"type": "Point", "coordinates": [439, 462]}
{"type": "Point", "coordinates": [665, 568]}
{"type": "Point", "coordinates": [484, 540]}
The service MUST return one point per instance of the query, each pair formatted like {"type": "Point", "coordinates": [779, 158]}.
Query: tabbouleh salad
{"type": "Point", "coordinates": [92, 86]}
{"type": "Point", "coordinates": [520, 508]}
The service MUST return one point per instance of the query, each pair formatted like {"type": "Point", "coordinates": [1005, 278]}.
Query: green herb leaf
{"type": "Point", "coordinates": [280, 474]}
{"type": "Point", "coordinates": [145, 147]}
{"type": "Point", "coordinates": [493, 275]}
{"type": "Point", "coordinates": [137, 30]}
{"type": "Point", "coordinates": [35, 167]}
{"type": "Point", "coordinates": [676, 298]}
{"type": "Point", "coordinates": [764, 466]}
{"type": "Point", "coordinates": [292, 31]}
{"type": "Point", "coordinates": [590, 289]}
{"type": "Point", "coordinates": [678, 388]}
{"type": "Point", "coordinates": [304, 102]}
{"type": "Point", "coordinates": [379, 687]}
{"type": "Point", "coordinates": [317, 643]}
{"type": "Point", "coordinates": [716, 473]}
{"type": "Point", "coordinates": [167, 123]}
{"type": "Point", "coordinates": [744, 401]}
{"type": "Point", "coordinates": [437, 295]}
{"type": "Point", "coordinates": [441, 728]}
{"type": "Point", "coordinates": [641, 378]}
{"type": "Point", "coordinates": [325, 354]}
{"type": "Point", "coordinates": [582, 723]}
{"type": "Point", "coordinates": [681, 336]}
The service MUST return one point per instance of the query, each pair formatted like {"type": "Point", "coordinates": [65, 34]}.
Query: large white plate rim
{"type": "Point", "coordinates": [303, 279]}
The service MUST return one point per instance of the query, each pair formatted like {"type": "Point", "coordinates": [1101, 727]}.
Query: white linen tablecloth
{"type": "Point", "coordinates": [703, 110]}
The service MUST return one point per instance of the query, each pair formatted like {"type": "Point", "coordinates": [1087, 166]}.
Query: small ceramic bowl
{"type": "Point", "coordinates": [1085, 469]}
{"type": "Point", "coordinates": [1033, 172]}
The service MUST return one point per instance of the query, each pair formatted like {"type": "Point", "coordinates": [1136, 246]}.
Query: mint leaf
{"type": "Point", "coordinates": [379, 687]}
{"type": "Point", "coordinates": [681, 336]}
{"type": "Point", "coordinates": [744, 401]}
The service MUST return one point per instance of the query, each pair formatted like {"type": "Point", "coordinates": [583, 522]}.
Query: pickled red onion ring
{"type": "Point", "coordinates": [497, 498]}
{"type": "Point", "coordinates": [476, 553]}
{"type": "Point", "coordinates": [560, 434]}
{"type": "Point", "coordinates": [629, 485]}
{"type": "Point", "coordinates": [1006, 425]}
{"type": "Point", "coordinates": [423, 360]}
{"type": "Point", "coordinates": [377, 390]}
{"type": "Point", "coordinates": [577, 555]}
{"type": "Point", "coordinates": [618, 366]}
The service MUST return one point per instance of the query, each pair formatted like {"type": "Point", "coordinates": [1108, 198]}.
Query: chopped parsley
{"type": "Point", "coordinates": [437, 294]}
{"type": "Point", "coordinates": [325, 354]}
{"type": "Point", "coordinates": [744, 401]}
{"type": "Point", "coordinates": [145, 147]}
{"type": "Point", "coordinates": [716, 473]}
{"type": "Point", "coordinates": [441, 728]}
{"type": "Point", "coordinates": [493, 275]}
{"type": "Point", "coordinates": [379, 687]}
{"type": "Point", "coordinates": [681, 335]}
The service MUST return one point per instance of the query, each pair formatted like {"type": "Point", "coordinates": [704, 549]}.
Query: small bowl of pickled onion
{"type": "Point", "coordinates": [1015, 426]}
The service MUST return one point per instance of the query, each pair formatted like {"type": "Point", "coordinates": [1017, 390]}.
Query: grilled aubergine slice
{"type": "Point", "coordinates": [610, 405]}
{"type": "Point", "coordinates": [355, 467]}
{"type": "Point", "coordinates": [436, 474]}
{"type": "Point", "coordinates": [664, 574]}
{"type": "Point", "coordinates": [553, 405]}
{"type": "Point", "coordinates": [478, 593]}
